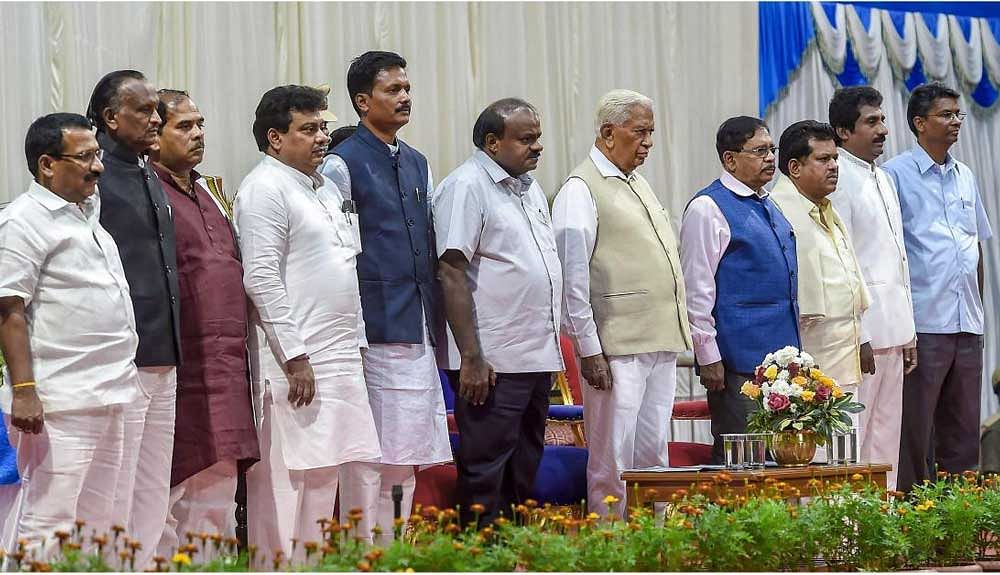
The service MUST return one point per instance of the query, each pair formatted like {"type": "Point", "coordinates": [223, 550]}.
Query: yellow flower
{"type": "Point", "coordinates": [837, 393]}
{"type": "Point", "coordinates": [921, 507]}
{"type": "Point", "coordinates": [808, 395]}
{"type": "Point", "coordinates": [181, 559]}
{"type": "Point", "coordinates": [929, 504]}
{"type": "Point", "coordinates": [750, 390]}
{"type": "Point", "coordinates": [799, 380]}
{"type": "Point", "coordinates": [610, 500]}
{"type": "Point", "coordinates": [826, 381]}
{"type": "Point", "coordinates": [771, 372]}
{"type": "Point", "coordinates": [815, 373]}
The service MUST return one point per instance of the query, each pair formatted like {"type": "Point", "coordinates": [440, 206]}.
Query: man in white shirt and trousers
{"type": "Point", "coordinates": [299, 241]}
{"type": "Point", "coordinates": [869, 208]}
{"type": "Point", "coordinates": [67, 331]}
{"type": "Point", "coordinates": [623, 296]}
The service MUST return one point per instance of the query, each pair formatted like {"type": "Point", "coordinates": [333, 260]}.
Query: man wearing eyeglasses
{"type": "Point", "coordinates": [136, 212]}
{"type": "Point", "coordinates": [738, 255]}
{"type": "Point", "coordinates": [943, 224]}
{"type": "Point", "coordinates": [867, 203]}
{"type": "Point", "coordinates": [67, 331]}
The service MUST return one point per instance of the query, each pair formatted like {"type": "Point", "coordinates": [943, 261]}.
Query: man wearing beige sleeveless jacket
{"type": "Point", "coordinates": [623, 297]}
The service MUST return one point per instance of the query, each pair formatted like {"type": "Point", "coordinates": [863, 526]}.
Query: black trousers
{"type": "Point", "coordinates": [729, 409]}
{"type": "Point", "coordinates": [941, 403]}
{"type": "Point", "coordinates": [500, 444]}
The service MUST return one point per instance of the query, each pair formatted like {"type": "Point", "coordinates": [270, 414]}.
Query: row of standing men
{"type": "Point", "coordinates": [477, 276]}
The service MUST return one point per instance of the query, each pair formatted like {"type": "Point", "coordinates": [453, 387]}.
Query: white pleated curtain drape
{"type": "Point", "coordinates": [887, 58]}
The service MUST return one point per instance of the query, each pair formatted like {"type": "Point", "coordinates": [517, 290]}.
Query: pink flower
{"type": "Point", "coordinates": [758, 376]}
{"type": "Point", "coordinates": [793, 370]}
{"type": "Point", "coordinates": [777, 402]}
{"type": "Point", "coordinates": [822, 393]}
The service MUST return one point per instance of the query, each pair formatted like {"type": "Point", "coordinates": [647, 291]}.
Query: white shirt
{"type": "Point", "coordinates": [501, 224]}
{"type": "Point", "coordinates": [575, 220]}
{"type": "Point", "coordinates": [56, 257]}
{"type": "Point", "coordinates": [869, 208]}
{"type": "Point", "coordinates": [705, 237]}
{"type": "Point", "coordinates": [298, 250]}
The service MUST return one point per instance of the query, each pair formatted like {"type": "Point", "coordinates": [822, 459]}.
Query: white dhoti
{"type": "Point", "coordinates": [202, 503]}
{"type": "Point", "coordinates": [407, 402]}
{"type": "Point", "coordinates": [302, 452]}
{"type": "Point", "coordinates": [628, 426]}
{"type": "Point", "coordinates": [881, 421]}
{"type": "Point", "coordinates": [68, 472]}
{"type": "Point", "coordinates": [143, 495]}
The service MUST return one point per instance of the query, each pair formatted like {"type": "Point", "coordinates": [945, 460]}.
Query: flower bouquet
{"type": "Point", "coordinates": [799, 404]}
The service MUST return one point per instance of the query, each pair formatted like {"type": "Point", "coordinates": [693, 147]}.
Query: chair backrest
{"type": "Point", "coordinates": [572, 369]}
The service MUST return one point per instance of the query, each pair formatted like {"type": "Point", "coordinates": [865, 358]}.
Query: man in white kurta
{"type": "Point", "coordinates": [624, 298]}
{"type": "Point", "coordinates": [869, 209]}
{"type": "Point", "coordinates": [299, 250]}
{"type": "Point", "coordinates": [832, 295]}
{"type": "Point", "coordinates": [67, 331]}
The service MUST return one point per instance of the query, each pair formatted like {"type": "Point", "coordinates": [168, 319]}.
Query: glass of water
{"type": "Point", "coordinates": [733, 447]}
{"type": "Point", "coordinates": [843, 449]}
{"type": "Point", "coordinates": [755, 450]}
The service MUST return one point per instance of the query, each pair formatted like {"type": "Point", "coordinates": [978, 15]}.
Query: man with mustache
{"type": "Point", "coordinates": [623, 297]}
{"type": "Point", "coordinates": [136, 212]}
{"type": "Point", "coordinates": [388, 181]}
{"type": "Point", "coordinates": [68, 383]}
{"type": "Point", "coordinates": [869, 208]}
{"type": "Point", "coordinates": [502, 287]}
{"type": "Point", "coordinates": [299, 240]}
{"type": "Point", "coordinates": [214, 428]}
{"type": "Point", "coordinates": [832, 294]}
{"type": "Point", "coordinates": [944, 223]}
{"type": "Point", "coordinates": [738, 256]}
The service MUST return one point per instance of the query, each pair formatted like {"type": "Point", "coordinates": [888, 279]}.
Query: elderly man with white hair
{"type": "Point", "coordinates": [623, 297]}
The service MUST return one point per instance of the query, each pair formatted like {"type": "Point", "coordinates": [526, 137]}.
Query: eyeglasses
{"type": "Point", "coordinates": [951, 116]}
{"type": "Point", "coordinates": [86, 158]}
{"type": "Point", "coordinates": [761, 151]}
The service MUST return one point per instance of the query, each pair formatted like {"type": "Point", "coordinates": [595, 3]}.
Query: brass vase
{"type": "Point", "coordinates": [793, 448]}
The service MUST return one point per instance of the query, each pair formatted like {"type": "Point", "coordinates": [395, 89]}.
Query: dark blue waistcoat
{"type": "Point", "coordinates": [756, 302]}
{"type": "Point", "coordinates": [397, 264]}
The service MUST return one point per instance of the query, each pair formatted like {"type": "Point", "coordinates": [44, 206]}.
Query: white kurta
{"type": "Point", "coordinates": [299, 253]}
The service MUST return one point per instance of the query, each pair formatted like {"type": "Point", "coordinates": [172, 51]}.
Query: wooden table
{"type": "Point", "coordinates": [642, 487]}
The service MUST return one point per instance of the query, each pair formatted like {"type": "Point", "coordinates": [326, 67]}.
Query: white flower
{"type": "Point", "coordinates": [783, 374]}
{"type": "Point", "coordinates": [768, 359]}
{"type": "Point", "coordinates": [796, 390]}
{"type": "Point", "coordinates": [785, 355]}
{"type": "Point", "coordinates": [807, 360]}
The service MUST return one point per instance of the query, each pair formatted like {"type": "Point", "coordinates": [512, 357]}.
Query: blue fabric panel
{"type": "Point", "coordinates": [784, 32]}
{"type": "Point", "coordinates": [852, 75]}
{"type": "Point", "coordinates": [8, 458]}
{"type": "Point", "coordinates": [566, 412]}
{"type": "Point", "coordinates": [898, 21]}
{"type": "Point", "coordinates": [931, 20]}
{"type": "Point", "coordinates": [864, 14]}
{"type": "Point", "coordinates": [985, 93]}
{"type": "Point", "coordinates": [965, 23]}
{"type": "Point", "coordinates": [917, 76]}
{"type": "Point", "coordinates": [449, 394]}
{"type": "Point", "coordinates": [562, 476]}
{"type": "Point", "coordinates": [981, 9]}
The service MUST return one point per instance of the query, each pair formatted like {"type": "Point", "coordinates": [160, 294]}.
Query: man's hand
{"type": "Point", "coordinates": [867, 359]}
{"type": "Point", "coordinates": [713, 376]}
{"type": "Point", "coordinates": [301, 381]}
{"type": "Point", "coordinates": [909, 360]}
{"type": "Point", "coordinates": [596, 372]}
{"type": "Point", "coordinates": [26, 410]}
{"type": "Point", "coordinates": [475, 378]}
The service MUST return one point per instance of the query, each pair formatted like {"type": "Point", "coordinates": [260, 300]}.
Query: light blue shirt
{"type": "Point", "coordinates": [943, 223]}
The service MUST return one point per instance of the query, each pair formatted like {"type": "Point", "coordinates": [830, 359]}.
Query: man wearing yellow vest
{"type": "Point", "coordinates": [832, 293]}
{"type": "Point", "coordinates": [623, 297]}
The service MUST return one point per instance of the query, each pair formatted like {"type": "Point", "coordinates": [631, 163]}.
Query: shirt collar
{"type": "Point", "coordinates": [858, 162]}
{"type": "Point", "coordinates": [167, 179]}
{"type": "Point", "coordinates": [500, 175]}
{"type": "Point", "coordinates": [114, 148]}
{"type": "Point", "coordinates": [48, 199]}
{"type": "Point", "coordinates": [925, 162]}
{"type": "Point", "coordinates": [605, 166]}
{"type": "Point", "coordinates": [313, 181]}
{"type": "Point", "coordinates": [739, 188]}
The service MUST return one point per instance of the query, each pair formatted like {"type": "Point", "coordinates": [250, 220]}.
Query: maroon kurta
{"type": "Point", "coordinates": [214, 413]}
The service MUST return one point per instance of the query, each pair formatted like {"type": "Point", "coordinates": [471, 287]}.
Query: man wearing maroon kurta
{"type": "Point", "coordinates": [215, 426]}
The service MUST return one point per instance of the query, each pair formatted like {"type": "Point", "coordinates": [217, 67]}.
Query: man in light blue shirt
{"type": "Point", "coordinates": [943, 225]}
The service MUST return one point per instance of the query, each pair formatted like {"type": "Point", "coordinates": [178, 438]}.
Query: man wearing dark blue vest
{"type": "Point", "coordinates": [739, 262]}
{"type": "Point", "coordinates": [387, 182]}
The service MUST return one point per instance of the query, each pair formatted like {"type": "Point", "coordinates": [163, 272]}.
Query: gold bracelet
{"type": "Point", "coordinates": [24, 384]}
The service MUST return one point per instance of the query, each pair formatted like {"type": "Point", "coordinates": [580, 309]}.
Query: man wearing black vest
{"type": "Point", "coordinates": [387, 182]}
{"type": "Point", "coordinates": [135, 211]}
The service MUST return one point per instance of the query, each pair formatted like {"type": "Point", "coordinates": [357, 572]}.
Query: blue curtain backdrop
{"type": "Point", "coordinates": [787, 28]}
